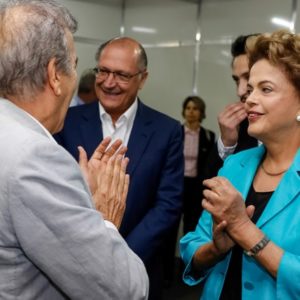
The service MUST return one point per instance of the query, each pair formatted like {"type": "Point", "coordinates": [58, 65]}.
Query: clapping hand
{"type": "Point", "coordinates": [105, 173]}
{"type": "Point", "coordinates": [228, 210]}
{"type": "Point", "coordinates": [90, 168]}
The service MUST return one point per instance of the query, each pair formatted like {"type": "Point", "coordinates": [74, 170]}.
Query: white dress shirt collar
{"type": "Point", "coordinates": [123, 125]}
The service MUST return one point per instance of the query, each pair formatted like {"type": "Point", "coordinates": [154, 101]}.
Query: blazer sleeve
{"type": "Point", "coordinates": [288, 277]}
{"type": "Point", "coordinates": [62, 234]}
{"type": "Point", "coordinates": [190, 243]}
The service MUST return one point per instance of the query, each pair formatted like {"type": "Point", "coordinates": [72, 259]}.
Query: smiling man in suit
{"type": "Point", "coordinates": [154, 143]}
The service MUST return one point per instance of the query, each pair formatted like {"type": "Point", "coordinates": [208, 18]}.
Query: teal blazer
{"type": "Point", "coordinates": [280, 221]}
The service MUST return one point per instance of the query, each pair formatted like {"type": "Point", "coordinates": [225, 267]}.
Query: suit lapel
{"type": "Point", "coordinates": [242, 175]}
{"type": "Point", "coordinates": [286, 192]}
{"type": "Point", "coordinates": [139, 137]}
{"type": "Point", "coordinates": [91, 128]}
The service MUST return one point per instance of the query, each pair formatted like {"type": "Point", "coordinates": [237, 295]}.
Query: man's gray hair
{"type": "Point", "coordinates": [32, 32]}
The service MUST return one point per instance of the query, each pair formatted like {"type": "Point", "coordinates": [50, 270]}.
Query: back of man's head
{"type": "Point", "coordinates": [238, 47]}
{"type": "Point", "coordinates": [86, 88]}
{"type": "Point", "coordinates": [87, 81]}
{"type": "Point", "coordinates": [32, 33]}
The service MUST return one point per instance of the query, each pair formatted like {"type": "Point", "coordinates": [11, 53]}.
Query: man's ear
{"type": "Point", "coordinates": [54, 77]}
{"type": "Point", "coordinates": [144, 78]}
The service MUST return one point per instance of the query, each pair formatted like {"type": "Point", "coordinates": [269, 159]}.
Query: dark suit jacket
{"type": "Point", "coordinates": [193, 187]}
{"type": "Point", "coordinates": [214, 161]}
{"type": "Point", "coordinates": [206, 142]}
{"type": "Point", "coordinates": [155, 152]}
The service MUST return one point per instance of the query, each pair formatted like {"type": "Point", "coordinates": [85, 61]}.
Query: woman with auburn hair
{"type": "Point", "coordinates": [246, 244]}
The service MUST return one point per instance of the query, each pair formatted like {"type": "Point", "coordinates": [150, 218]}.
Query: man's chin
{"type": "Point", "coordinates": [109, 103]}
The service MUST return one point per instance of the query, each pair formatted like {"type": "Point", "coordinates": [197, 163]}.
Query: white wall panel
{"type": "Point", "coordinates": [98, 22]}
{"type": "Point", "coordinates": [170, 44]}
{"type": "Point", "coordinates": [170, 79]}
{"type": "Point", "coordinates": [97, 19]}
{"type": "Point", "coordinates": [172, 20]}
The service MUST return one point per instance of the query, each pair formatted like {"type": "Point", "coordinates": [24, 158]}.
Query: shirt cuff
{"type": "Point", "coordinates": [224, 151]}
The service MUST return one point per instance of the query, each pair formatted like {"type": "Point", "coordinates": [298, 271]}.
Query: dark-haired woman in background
{"type": "Point", "coordinates": [198, 141]}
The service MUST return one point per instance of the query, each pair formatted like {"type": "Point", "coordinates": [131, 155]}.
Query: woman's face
{"type": "Point", "coordinates": [191, 112]}
{"type": "Point", "coordinates": [273, 103]}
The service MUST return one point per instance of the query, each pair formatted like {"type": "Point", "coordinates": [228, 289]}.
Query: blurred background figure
{"type": "Point", "coordinates": [198, 142]}
{"type": "Point", "coordinates": [86, 89]}
{"type": "Point", "coordinates": [232, 120]}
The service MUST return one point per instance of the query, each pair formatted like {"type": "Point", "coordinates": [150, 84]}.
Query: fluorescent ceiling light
{"type": "Point", "coordinates": [170, 44]}
{"type": "Point", "coordinates": [144, 29]}
{"type": "Point", "coordinates": [225, 53]}
{"type": "Point", "coordinates": [283, 22]}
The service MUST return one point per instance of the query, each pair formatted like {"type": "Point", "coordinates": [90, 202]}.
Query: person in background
{"type": "Point", "coordinates": [198, 142]}
{"type": "Point", "coordinates": [155, 150]}
{"type": "Point", "coordinates": [86, 89]}
{"type": "Point", "coordinates": [54, 243]}
{"type": "Point", "coordinates": [232, 120]}
{"type": "Point", "coordinates": [246, 243]}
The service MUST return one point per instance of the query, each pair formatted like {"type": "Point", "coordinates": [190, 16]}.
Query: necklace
{"type": "Point", "coordinates": [272, 174]}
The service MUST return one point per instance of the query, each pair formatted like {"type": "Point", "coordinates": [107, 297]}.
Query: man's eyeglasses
{"type": "Point", "coordinates": [119, 77]}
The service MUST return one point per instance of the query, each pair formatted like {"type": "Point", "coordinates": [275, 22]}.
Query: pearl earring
{"type": "Point", "coordinates": [298, 118]}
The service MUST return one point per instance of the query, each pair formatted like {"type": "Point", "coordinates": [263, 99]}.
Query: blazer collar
{"type": "Point", "coordinates": [287, 190]}
{"type": "Point", "coordinates": [91, 131]}
{"type": "Point", "coordinates": [140, 136]}
{"type": "Point", "coordinates": [13, 112]}
{"type": "Point", "coordinates": [91, 128]}
{"type": "Point", "coordinates": [247, 167]}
